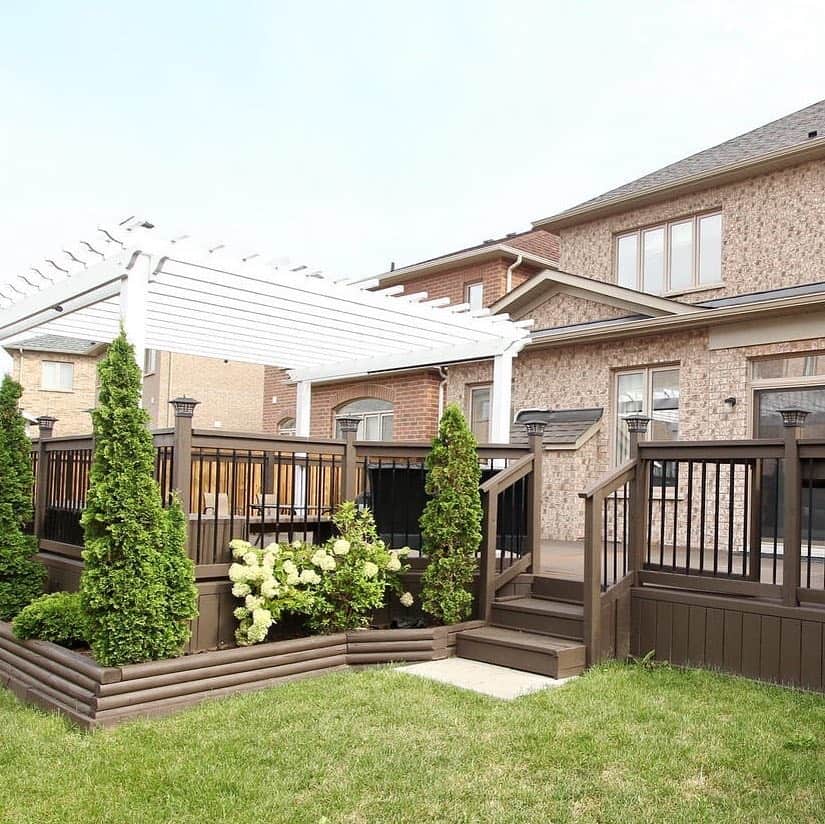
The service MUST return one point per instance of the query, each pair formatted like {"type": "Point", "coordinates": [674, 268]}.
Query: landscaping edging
{"type": "Point", "coordinates": [68, 682]}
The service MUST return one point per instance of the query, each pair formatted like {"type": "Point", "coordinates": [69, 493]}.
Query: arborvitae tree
{"type": "Point", "coordinates": [21, 577]}
{"type": "Point", "coordinates": [137, 588]}
{"type": "Point", "coordinates": [451, 522]}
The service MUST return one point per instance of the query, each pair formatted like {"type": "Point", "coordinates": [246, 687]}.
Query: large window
{"type": "Point", "coordinates": [286, 427]}
{"type": "Point", "coordinates": [652, 392]}
{"type": "Point", "coordinates": [57, 376]}
{"type": "Point", "coordinates": [673, 257]}
{"type": "Point", "coordinates": [375, 415]}
{"type": "Point", "coordinates": [480, 412]}
{"type": "Point", "coordinates": [474, 295]}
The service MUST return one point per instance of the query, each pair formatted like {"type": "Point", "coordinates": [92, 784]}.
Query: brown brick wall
{"type": "Point", "coordinates": [538, 242]}
{"type": "Point", "coordinates": [279, 398]}
{"type": "Point", "coordinates": [68, 407]}
{"type": "Point", "coordinates": [773, 231]}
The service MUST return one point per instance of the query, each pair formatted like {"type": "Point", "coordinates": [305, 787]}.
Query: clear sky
{"type": "Point", "coordinates": [352, 134]}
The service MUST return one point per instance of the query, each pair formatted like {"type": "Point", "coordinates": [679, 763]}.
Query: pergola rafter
{"type": "Point", "coordinates": [176, 295]}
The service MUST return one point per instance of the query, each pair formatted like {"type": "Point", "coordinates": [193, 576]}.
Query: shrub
{"type": "Point", "coordinates": [21, 577]}
{"type": "Point", "coordinates": [451, 521]}
{"type": "Point", "coordinates": [137, 587]}
{"type": "Point", "coordinates": [335, 586]}
{"type": "Point", "coordinates": [57, 618]}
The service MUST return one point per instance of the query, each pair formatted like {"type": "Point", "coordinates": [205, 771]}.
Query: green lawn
{"type": "Point", "coordinates": [622, 743]}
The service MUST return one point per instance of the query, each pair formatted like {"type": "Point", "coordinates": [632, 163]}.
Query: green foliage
{"type": "Point", "coordinates": [21, 577]}
{"type": "Point", "coordinates": [336, 586]}
{"type": "Point", "coordinates": [137, 588]}
{"type": "Point", "coordinates": [451, 522]}
{"type": "Point", "coordinates": [57, 618]}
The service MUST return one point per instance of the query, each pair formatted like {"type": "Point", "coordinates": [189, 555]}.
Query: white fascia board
{"type": "Point", "coordinates": [73, 293]}
{"type": "Point", "coordinates": [408, 360]}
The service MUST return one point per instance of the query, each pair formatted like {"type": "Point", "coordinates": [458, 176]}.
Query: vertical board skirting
{"type": "Point", "coordinates": [762, 640]}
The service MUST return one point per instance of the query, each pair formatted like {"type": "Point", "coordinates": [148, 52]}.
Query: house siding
{"type": "Point", "coordinates": [773, 232]}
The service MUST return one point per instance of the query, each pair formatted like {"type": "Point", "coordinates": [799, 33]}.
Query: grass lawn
{"type": "Point", "coordinates": [622, 743]}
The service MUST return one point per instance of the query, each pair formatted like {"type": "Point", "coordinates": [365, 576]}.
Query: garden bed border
{"type": "Point", "coordinates": [72, 684]}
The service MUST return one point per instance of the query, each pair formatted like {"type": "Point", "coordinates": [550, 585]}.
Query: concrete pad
{"type": "Point", "coordinates": [488, 679]}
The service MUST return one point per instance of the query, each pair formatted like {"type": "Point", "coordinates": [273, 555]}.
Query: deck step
{"type": "Point", "coordinates": [526, 651]}
{"type": "Point", "coordinates": [540, 615]}
{"type": "Point", "coordinates": [558, 589]}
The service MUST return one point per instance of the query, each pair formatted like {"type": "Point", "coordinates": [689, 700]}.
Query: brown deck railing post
{"type": "Point", "coordinates": [487, 571]}
{"type": "Point", "coordinates": [637, 426]}
{"type": "Point", "coordinates": [592, 579]}
{"type": "Point", "coordinates": [793, 420]}
{"type": "Point", "coordinates": [45, 426]}
{"type": "Point", "coordinates": [182, 457]}
{"type": "Point", "coordinates": [535, 433]}
{"type": "Point", "coordinates": [349, 483]}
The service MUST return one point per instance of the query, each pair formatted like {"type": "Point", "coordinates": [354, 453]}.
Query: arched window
{"type": "Point", "coordinates": [286, 426]}
{"type": "Point", "coordinates": [375, 415]}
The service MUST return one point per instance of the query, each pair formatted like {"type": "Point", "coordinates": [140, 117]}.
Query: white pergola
{"type": "Point", "coordinates": [176, 295]}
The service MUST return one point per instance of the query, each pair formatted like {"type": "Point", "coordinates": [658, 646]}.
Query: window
{"type": "Point", "coordinates": [674, 257]}
{"type": "Point", "coordinates": [286, 427]}
{"type": "Point", "coordinates": [480, 412]}
{"type": "Point", "coordinates": [791, 367]}
{"type": "Point", "coordinates": [150, 359]}
{"type": "Point", "coordinates": [474, 295]}
{"type": "Point", "coordinates": [57, 376]}
{"type": "Point", "coordinates": [651, 392]}
{"type": "Point", "coordinates": [376, 419]}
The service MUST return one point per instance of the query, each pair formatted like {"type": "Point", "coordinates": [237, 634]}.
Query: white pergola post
{"type": "Point", "coordinates": [502, 398]}
{"type": "Point", "coordinates": [134, 294]}
{"type": "Point", "coordinates": [303, 415]}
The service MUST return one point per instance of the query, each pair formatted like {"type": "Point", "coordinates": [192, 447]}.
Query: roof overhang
{"type": "Point", "coordinates": [703, 318]}
{"type": "Point", "coordinates": [536, 290]}
{"type": "Point", "coordinates": [201, 300]}
{"type": "Point", "coordinates": [442, 264]}
{"type": "Point", "coordinates": [721, 175]}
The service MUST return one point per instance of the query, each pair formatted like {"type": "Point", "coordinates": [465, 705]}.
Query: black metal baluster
{"type": "Point", "coordinates": [716, 520]}
{"type": "Point", "coordinates": [731, 500]}
{"type": "Point", "coordinates": [675, 509]}
{"type": "Point", "coordinates": [810, 516]}
{"type": "Point", "coordinates": [702, 519]}
{"type": "Point", "coordinates": [776, 519]}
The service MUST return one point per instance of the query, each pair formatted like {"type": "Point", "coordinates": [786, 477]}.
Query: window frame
{"type": "Point", "coordinates": [476, 387]}
{"type": "Point", "coordinates": [380, 415]}
{"type": "Point", "coordinates": [667, 226]}
{"type": "Point", "coordinates": [150, 362]}
{"type": "Point", "coordinates": [44, 387]}
{"type": "Point", "coordinates": [467, 287]}
{"type": "Point", "coordinates": [287, 432]}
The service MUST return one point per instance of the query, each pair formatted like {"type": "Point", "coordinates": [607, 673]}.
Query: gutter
{"type": "Point", "coordinates": [510, 269]}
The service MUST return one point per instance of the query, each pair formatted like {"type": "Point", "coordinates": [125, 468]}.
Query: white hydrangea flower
{"type": "Point", "coordinates": [269, 588]}
{"type": "Point", "coordinates": [296, 544]}
{"type": "Point", "coordinates": [404, 551]}
{"type": "Point", "coordinates": [272, 549]}
{"type": "Point", "coordinates": [370, 569]}
{"type": "Point", "coordinates": [406, 599]}
{"type": "Point", "coordinates": [309, 576]}
{"type": "Point", "coordinates": [240, 613]}
{"type": "Point", "coordinates": [292, 579]}
{"type": "Point", "coordinates": [241, 590]}
{"type": "Point", "coordinates": [237, 573]}
{"type": "Point", "coordinates": [251, 558]}
{"type": "Point", "coordinates": [394, 564]}
{"type": "Point", "coordinates": [262, 617]}
{"type": "Point", "coordinates": [341, 546]}
{"type": "Point", "coordinates": [318, 557]}
{"type": "Point", "coordinates": [290, 568]}
{"type": "Point", "coordinates": [256, 633]}
{"type": "Point", "coordinates": [239, 547]}
{"type": "Point", "coordinates": [253, 602]}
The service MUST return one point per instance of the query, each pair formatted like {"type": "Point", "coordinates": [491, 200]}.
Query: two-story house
{"type": "Point", "coordinates": [59, 378]}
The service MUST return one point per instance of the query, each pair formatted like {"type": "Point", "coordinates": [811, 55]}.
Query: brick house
{"type": "Point", "coordinates": [59, 378]}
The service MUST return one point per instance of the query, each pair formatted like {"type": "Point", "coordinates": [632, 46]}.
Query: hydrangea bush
{"type": "Point", "coordinates": [335, 586]}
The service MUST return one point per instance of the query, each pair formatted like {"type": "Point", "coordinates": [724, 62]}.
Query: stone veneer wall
{"type": "Point", "coordinates": [773, 231]}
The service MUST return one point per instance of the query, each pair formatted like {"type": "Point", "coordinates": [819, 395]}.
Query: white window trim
{"type": "Point", "coordinates": [153, 362]}
{"type": "Point", "coordinates": [44, 388]}
{"type": "Point", "coordinates": [639, 233]}
{"type": "Point", "coordinates": [474, 388]}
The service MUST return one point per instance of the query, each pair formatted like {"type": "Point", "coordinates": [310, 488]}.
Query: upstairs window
{"type": "Point", "coordinates": [480, 397]}
{"type": "Point", "coordinates": [57, 376]}
{"type": "Point", "coordinates": [474, 295]}
{"type": "Point", "coordinates": [672, 257]}
{"type": "Point", "coordinates": [286, 427]}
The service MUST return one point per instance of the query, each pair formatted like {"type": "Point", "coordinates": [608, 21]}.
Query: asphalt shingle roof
{"type": "Point", "coordinates": [57, 343]}
{"type": "Point", "coordinates": [783, 133]}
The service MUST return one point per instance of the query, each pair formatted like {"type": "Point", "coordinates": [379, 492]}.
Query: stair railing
{"type": "Point", "coordinates": [492, 575]}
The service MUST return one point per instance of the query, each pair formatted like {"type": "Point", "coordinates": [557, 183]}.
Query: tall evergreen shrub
{"type": "Point", "coordinates": [137, 589]}
{"type": "Point", "coordinates": [451, 522]}
{"type": "Point", "coordinates": [21, 577]}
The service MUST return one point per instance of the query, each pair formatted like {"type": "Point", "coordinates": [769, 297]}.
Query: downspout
{"type": "Point", "coordinates": [510, 270]}
{"type": "Point", "coordinates": [442, 390]}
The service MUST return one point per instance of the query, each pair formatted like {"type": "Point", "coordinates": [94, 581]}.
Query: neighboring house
{"type": "Point", "coordinates": [406, 406]}
{"type": "Point", "coordinates": [694, 295]}
{"type": "Point", "coordinates": [59, 378]}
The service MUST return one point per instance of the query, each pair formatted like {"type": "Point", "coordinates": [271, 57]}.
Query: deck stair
{"type": "Point", "coordinates": [540, 631]}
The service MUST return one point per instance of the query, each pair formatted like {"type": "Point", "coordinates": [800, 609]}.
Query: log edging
{"type": "Point", "coordinates": [71, 683]}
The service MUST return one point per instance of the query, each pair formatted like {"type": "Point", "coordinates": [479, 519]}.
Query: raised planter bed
{"type": "Point", "coordinates": [72, 684]}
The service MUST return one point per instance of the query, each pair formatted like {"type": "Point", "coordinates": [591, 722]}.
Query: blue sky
{"type": "Point", "coordinates": [354, 134]}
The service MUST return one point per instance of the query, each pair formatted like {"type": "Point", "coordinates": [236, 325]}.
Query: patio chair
{"type": "Point", "coordinates": [209, 504]}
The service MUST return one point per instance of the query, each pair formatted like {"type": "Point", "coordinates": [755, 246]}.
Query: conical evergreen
{"type": "Point", "coordinates": [137, 588]}
{"type": "Point", "coordinates": [21, 577]}
{"type": "Point", "coordinates": [451, 522]}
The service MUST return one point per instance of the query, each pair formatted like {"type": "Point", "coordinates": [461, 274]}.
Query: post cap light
{"type": "Point", "coordinates": [45, 423]}
{"type": "Point", "coordinates": [637, 423]}
{"type": "Point", "coordinates": [793, 416]}
{"type": "Point", "coordinates": [184, 407]}
{"type": "Point", "coordinates": [534, 420]}
{"type": "Point", "coordinates": [348, 424]}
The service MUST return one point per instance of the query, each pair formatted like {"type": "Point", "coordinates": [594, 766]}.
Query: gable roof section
{"type": "Point", "coordinates": [780, 143]}
{"type": "Point", "coordinates": [57, 343]}
{"type": "Point", "coordinates": [565, 428]}
{"type": "Point", "coordinates": [546, 283]}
